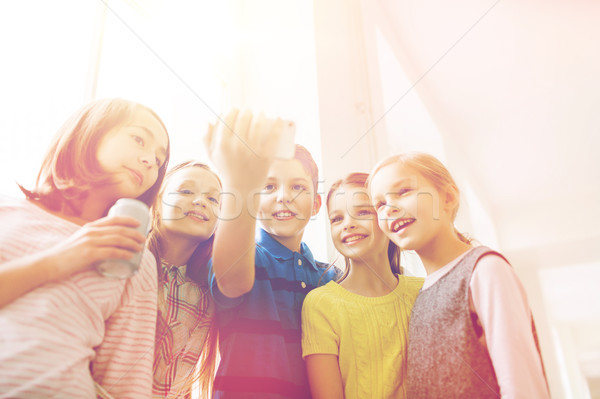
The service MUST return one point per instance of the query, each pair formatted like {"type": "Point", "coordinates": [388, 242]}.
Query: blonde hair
{"type": "Point", "coordinates": [432, 169]}
{"type": "Point", "coordinates": [70, 167]}
{"type": "Point", "coordinates": [197, 270]}
{"type": "Point", "coordinates": [360, 180]}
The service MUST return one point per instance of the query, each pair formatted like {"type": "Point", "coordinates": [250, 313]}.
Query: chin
{"type": "Point", "coordinates": [283, 231]}
{"type": "Point", "coordinates": [353, 255]}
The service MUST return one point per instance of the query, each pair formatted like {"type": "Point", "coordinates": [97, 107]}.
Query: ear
{"type": "Point", "coordinates": [451, 198]}
{"type": "Point", "coordinates": [316, 205]}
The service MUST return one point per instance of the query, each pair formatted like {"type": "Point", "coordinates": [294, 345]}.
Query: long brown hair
{"type": "Point", "coordinates": [360, 180]}
{"type": "Point", "coordinates": [197, 270]}
{"type": "Point", "coordinates": [432, 169]}
{"type": "Point", "coordinates": [70, 167]}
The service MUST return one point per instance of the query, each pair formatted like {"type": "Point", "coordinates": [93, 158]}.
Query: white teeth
{"type": "Point", "coordinates": [354, 238]}
{"type": "Point", "coordinates": [284, 214]}
{"type": "Point", "coordinates": [197, 215]}
{"type": "Point", "coordinates": [399, 224]}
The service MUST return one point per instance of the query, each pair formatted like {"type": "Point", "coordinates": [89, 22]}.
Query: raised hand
{"type": "Point", "coordinates": [242, 146]}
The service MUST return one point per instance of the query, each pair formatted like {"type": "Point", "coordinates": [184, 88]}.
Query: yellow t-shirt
{"type": "Point", "coordinates": [368, 334]}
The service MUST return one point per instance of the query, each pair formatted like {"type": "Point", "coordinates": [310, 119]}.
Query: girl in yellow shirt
{"type": "Point", "coordinates": [354, 330]}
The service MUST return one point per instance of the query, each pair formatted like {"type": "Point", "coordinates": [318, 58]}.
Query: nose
{"type": "Point", "coordinates": [147, 160]}
{"type": "Point", "coordinates": [349, 223]}
{"type": "Point", "coordinates": [283, 195]}
{"type": "Point", "coordinates": [200, 200]}
{"type": "Point", "coordinates": [389, 211]}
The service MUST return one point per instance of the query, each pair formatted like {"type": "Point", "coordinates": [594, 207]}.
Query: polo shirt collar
{"type": "Point", "coordinates": [279, 251]}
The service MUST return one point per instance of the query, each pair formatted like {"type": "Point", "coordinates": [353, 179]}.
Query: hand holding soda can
{"type": "Point", "coordinates": [125, 268]}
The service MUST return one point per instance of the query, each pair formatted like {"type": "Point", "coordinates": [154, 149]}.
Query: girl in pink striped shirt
{"type": "Point", "coordinates": [184, 221]}
{"type": "Point", "coordinates": [66, 330]}
{"type": "Point", "coordinates": [471, 332]}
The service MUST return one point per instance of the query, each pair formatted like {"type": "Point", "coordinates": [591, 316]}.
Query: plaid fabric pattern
{"type": "Point", "coordinates": [185, 312]}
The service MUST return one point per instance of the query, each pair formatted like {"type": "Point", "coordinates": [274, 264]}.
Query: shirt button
{"type": "Point", "coordinates": [302, 284]}
{"type": "Point", "coordinates": [299, 262]}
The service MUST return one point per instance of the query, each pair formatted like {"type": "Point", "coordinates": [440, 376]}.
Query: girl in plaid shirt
{"type": "Point", "coordinates": [184, 220]}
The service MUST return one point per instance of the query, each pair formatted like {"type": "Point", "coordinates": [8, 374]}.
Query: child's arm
{"type": "Point", "coordinates": [324, 376]}
{"type": "Point", "coordinates": [109, 237]}
{"type": "Point", "coordinates": [501, 304]}
{"type": "Point", "coordinates": [320, 347]}
{"type": "Point", "coordinates": [242, 151]}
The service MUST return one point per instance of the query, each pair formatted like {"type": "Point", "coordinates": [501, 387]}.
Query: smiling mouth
{"type": "Point", "coordinates": [353, 238]}
{"type": "Point", "coordinates": [283, 215]}
{"type": "Point", "coordinates": [400, 224]}
{"type": "Point", "coordinates": [197, 215]}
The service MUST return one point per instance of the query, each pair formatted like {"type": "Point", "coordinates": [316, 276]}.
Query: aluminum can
{"type": "Point", "coordinates": [125, 268]}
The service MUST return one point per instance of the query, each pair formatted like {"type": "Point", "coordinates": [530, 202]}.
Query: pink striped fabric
{"type": "Point", "coordinates": [61, 338]}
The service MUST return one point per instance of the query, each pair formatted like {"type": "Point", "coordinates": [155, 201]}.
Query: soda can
{"type": "Point", "coordinates": [125, 268]}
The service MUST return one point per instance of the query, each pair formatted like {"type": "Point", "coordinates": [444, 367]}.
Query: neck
{"type": "Point", "coordinates": [177, 251]}
{"type": "Point", "coordinates": [292, 243]}
{"type": "Point", "coordinates": [81, 211]}
{"type": "Point", "coordinates": [370, 276]}
{"type": "Point", "coordinates": [445, 247]}
{"type": "Point", "coordinates": [92, 207]}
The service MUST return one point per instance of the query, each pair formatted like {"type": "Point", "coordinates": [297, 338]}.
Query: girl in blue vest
{"type": "Point", "coordinates": [471, 332]}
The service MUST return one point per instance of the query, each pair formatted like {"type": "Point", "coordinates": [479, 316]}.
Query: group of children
{"type": "Point", "coordinates": [241, 311]}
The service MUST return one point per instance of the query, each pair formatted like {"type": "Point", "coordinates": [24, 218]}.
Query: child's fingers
{"type": "Point", "coordinates": [121, 241]}
{"type": "Point", "coordinates": [258, 126]}
{"type": "Point", "coordinates": [208, 138]}
{"type": "Point", "coordinates": [100, 234]}
{"type": "Point", "coordinates": [226, 125]}
{"type": "Point", "coordinates": [113, 253]}
{"type": "Point", "coordinates": [242, 126]}
{"type": "Point", "coordinates": [123, 226]}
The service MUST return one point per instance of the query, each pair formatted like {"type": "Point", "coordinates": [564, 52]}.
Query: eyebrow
{"type": "Point", "coordinates": [300, 179]}
{"type": "Point", "coordinates": [194, 181]}
{"type": "Point", "coordinates": [401, 183]}
{"type": "Point", "coordinates": [333, 213]}
{"type": "Point", "coordinates": [162, 150]}
{"type": "Point", "coordinates": [188, 180]}
{"type": "Point", "coordinates": [366, 204]}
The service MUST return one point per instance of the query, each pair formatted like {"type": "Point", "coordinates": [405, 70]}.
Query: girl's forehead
{"type": "Point", "coordinates": [353, 195]}
{"type": "Point", "coordinates": [194, 174]}
{"type": "Point", "coordinates": [395, 173]}
{"type": "Point", "coordinates": [146, 119]}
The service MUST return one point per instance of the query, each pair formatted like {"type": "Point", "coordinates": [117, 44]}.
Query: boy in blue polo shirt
{"type": "Point", "coordinates": [259, 286]}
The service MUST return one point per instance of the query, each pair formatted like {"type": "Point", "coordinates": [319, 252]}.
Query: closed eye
{"type": "Point", "coordinates": [365, 212]}
{"type": "Point", "coordinates": [214, 200]}
{"type": "Point", "coordinates": [185, 191]}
